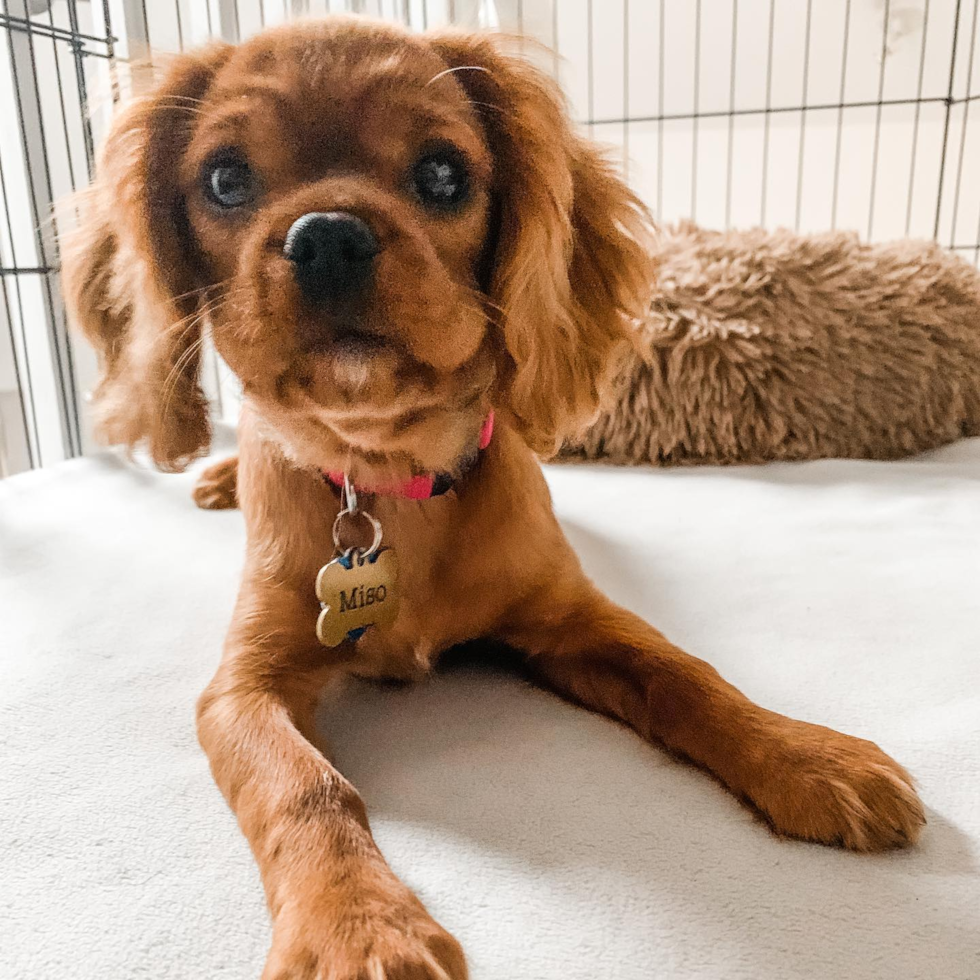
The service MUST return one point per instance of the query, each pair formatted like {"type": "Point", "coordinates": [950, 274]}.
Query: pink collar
{"type": "Point", "coordinates": [418, 487]}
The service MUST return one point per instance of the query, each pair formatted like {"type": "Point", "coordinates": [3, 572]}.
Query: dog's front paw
{"type": "Point", "coordinates": [819, 785]}
{"type": "Point", "coordinates": [217, 486]}
{"type": "Point", "coordinates": [399, 942]}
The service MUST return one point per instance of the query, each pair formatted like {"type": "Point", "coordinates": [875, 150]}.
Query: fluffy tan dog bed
{"type": "Point", "coordinates": [765, 346]}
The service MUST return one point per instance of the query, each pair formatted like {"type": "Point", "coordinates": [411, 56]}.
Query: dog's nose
{"type": "Point", "coordinates": [332, 254]}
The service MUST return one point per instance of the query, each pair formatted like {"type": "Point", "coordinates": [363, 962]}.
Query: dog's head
{"type": "Point", "coordinates": [387, 233]}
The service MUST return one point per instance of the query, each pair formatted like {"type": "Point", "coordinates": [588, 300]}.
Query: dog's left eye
{"type": "Point", "coordinates": [440, 179]}
{"type": "Point", "coordinates": [229, 182]}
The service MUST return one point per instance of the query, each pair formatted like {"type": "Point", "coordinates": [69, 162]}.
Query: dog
{"type": "Point", "coordinates": [423, 278]}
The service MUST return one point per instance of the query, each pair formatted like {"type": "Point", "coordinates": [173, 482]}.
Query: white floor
{"type": "Point", "coordinates": [553, 843]}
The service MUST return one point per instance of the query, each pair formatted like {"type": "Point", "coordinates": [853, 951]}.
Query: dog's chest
{"type": "Point", "coordinates": [431, 617]}
{"type": "Point", "coordinates": [443, 597]}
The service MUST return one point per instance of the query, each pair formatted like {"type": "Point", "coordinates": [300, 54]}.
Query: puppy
{"type": "Point", "coordinates": [400, 243]}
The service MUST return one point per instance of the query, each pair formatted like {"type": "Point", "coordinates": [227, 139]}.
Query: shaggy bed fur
{"type": "Point", "coordinates": [764, 346]}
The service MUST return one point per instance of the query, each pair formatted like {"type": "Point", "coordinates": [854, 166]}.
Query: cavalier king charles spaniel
{"type": "Point", "coordinates": [423, 277]}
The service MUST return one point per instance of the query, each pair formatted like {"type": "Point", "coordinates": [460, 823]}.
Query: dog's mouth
{"type": "Point", "coordinates": [346, 340]}
{"type": "Point", "coordinates": [356, 342]}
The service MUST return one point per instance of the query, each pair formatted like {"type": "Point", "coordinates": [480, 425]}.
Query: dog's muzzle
{"type": "Point", "coordinates": [332, 254]}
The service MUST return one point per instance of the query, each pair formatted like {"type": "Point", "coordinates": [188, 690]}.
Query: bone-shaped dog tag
{"type": "Point", "coordinates": [356, 593]}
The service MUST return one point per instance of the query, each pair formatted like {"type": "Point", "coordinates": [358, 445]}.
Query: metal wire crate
{"type": "Point", "coordinates": [812, 115]}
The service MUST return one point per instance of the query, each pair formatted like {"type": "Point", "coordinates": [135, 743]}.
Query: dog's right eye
{"type": "Point", "coordinates": [229, 182]}
{"type": "Point", "coordinates": [440, 179]}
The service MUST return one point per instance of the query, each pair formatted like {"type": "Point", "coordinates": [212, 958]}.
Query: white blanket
{"type": "Point", "coordinates": [553, 843]}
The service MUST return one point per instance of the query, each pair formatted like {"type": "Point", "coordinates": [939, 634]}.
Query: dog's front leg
{"type": "Point", "coordinates": [807, 780]}
{"type": "Point", "coordinates": [338, 910]}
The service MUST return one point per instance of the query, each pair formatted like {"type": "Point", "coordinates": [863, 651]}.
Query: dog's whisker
{"type": "Point", "coordinates": [177, 330]}
{"type": "Point", "coordinates": [450, 71]}
{"type": "Point", "coordinates": [182, 328]}
{"type": "Point", "coordinates": [489, 105]}
{"type": "Point", "coordinates": [186, 109]}
{"type": "Point", "coordinates": [174, 97]}
{"type": "Point", "coordinates": [212, 287]}
{"type": "Point", "coordinates": [173, 378]}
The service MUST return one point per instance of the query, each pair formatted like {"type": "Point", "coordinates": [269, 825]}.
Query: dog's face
{"type": "Point", "coordinates": [338, 190]}
{"type": "Point", "coordinates": [389, 235]}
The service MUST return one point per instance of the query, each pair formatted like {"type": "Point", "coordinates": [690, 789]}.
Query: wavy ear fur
{"type": "Point", "coordinates": [128, 273]}
{"type": "Point", "coordinates": [571, 267]}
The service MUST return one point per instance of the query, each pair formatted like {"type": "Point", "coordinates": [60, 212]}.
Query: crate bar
{"type": "Point", "coordinates": [61, 100]}
{"type": "Point", "coordinates": [228, 25]}
{"type": "Point", "coordinates": [915, 124]}
{"type": "Point", "coordinates": [801, 155]}
{"type": "Point", "coordinates": [626, 90]}
{"type": "Point", "coordinates": [777, 109]}
{"type": "Point", "coordinates": [180, 24]}
{"type": "Point", "coordinates": [697, 110]}
{"type": "Point", "coordinates": [767, 120]}
{"type": "Point", "coordinates": [731, 117]}
{"type": "Point", "coordinates": [136, 31]}
{"type": "Point", "coordinates": [840, 116]}
{"type": "Point", "coordinates": [590, 68]}
{"type": "Point", "coordinates": [966, 120]}
{"type": "Point", "coordinates": [40, 29]}
{"type": "Point", "coordinates": [41, 199]}
{"type": "Point", "coordinates": [950, 102]}
{"type": "Point", "coordinates": [29, 422]}
{"type": "Point", "coordinates": [555, 55]}
{"type": "Point", "coordinates": [886, 18]}
{"type": "Point", "coordinates": [660, 106]}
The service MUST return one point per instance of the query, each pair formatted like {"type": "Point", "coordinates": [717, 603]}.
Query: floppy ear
{"type": "Point", "coordinates": [571, 267]}
{"type": "Point", "coordinates": [128, 273]}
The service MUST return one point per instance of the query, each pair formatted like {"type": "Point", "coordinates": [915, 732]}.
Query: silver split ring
{"type": "Point", "coordinates": [375, 523]}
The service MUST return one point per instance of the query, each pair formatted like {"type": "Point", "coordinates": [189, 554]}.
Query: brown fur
{"type": "Point", "coordinates": [217, 487]}
{"type": "Point", "coordinates": [764, 346]}
{"type": "Point", "coordinates": [519, 302]}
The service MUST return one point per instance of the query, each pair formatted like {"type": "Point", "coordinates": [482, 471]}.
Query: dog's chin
{"type": "Point", "coordinates": [352, 395]}
{"type": "Point", "coordinates": [352, 415]}
{"type": "Point", "coordinates": [329, 442]}
{"type": "Point", "coordinates": [357, 372]}
{"type": "Point", "coordinates": [350, 361]}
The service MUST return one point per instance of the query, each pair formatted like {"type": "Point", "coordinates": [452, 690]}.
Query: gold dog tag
{"type": "Point", "coordinates": [356, 593]}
